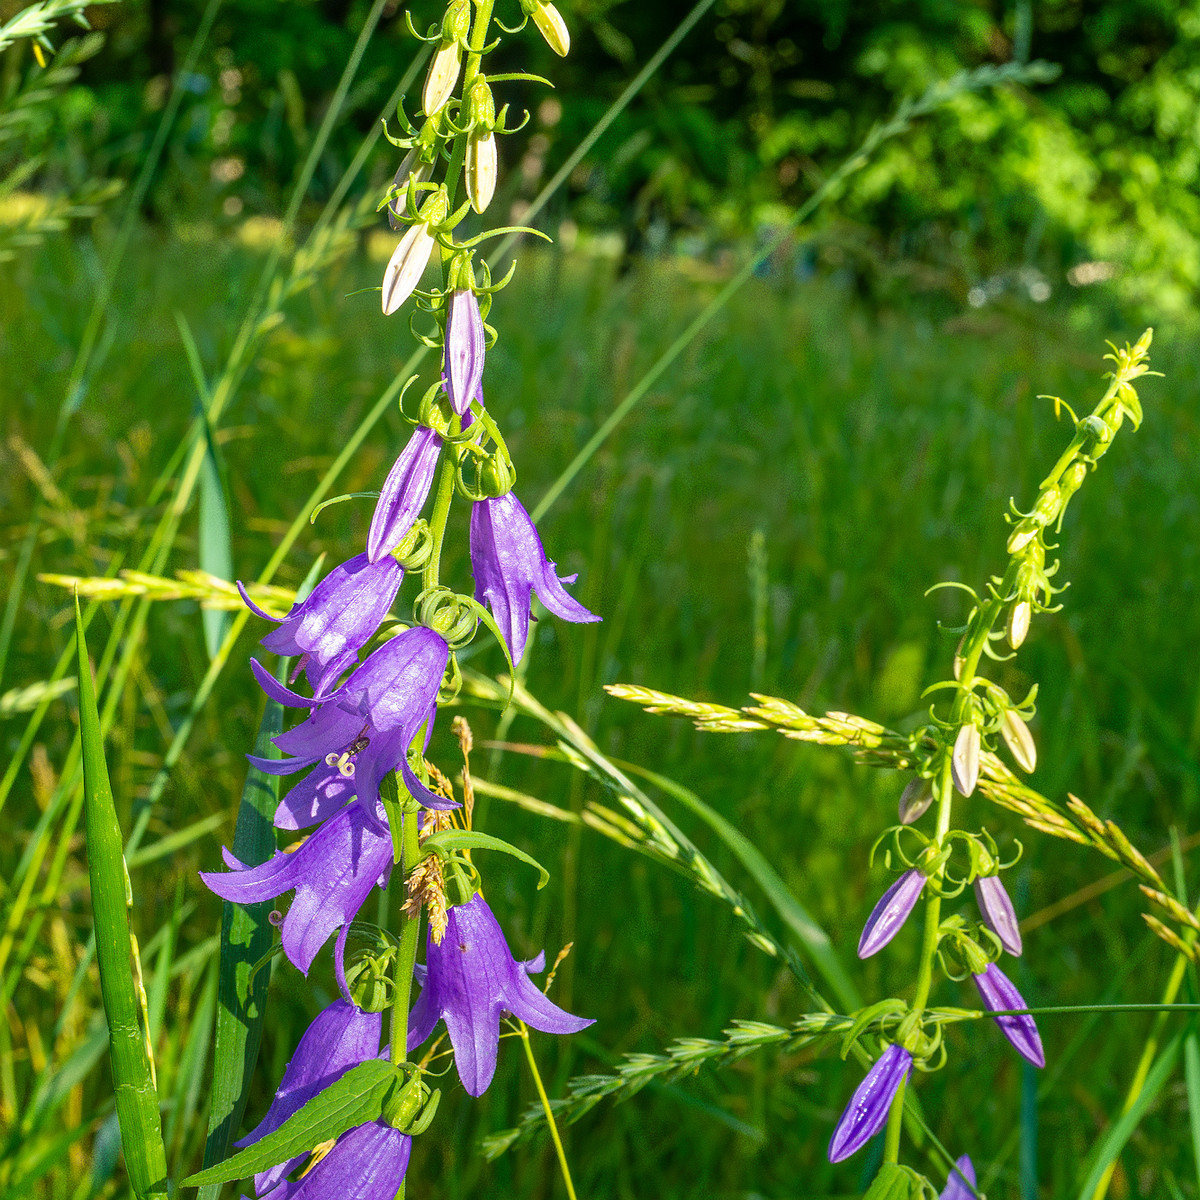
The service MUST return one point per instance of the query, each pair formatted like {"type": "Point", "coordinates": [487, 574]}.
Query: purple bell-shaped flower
{"type": "Point", "coordinates": [471, 978]}
{"type": "Point", "coordinates": [463, 363]}
{"type": "Point", "coordinates": [867, 1112]}
{"type": "Point", "coordinates": [998, 914]}
{"type": "Point", "coordinates": [404, 493]}
{"type": "Point", "coordinates": [997, 992]}
{"type": "Point", "coordinates": [889, 915]}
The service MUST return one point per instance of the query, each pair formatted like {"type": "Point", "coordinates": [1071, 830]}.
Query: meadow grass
{"type": "Point", "coordinates": [875, 452]}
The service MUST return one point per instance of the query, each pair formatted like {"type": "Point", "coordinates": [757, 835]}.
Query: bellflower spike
{"type": "Point", "coordinates": [471, 977]}
{"type": "Point", "coordinates": [961, 1184]}
{"type": "Point", "coordinates": [326, 631]}
{"type": "Point", "coordinates": [997, 911]}
{"type": "Point", "coordinates": [867, 1112]}
{"type": "Point", "coordinates": [510, 564]}
{"type": "Point", "coordinates": [332, 873]}
{"type": "Point", "coordinates": [997, 993]}
{"type": "Point", "coordinates": [367, 1162]}
{"type": "Point", "coordinates": [889, 915]}
{"type": "Point", "coordinates": [365, 728]}
{"type": "Point", "coordinates": [464, 350]}
{"type": "Point", "coordinates": [340, 1037]}
{"type": "Point", "coordinates": [404, 493]}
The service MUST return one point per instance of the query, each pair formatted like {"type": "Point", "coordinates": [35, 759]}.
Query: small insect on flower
{"type": "Point", "coordinates": [867, 1111]}
{"type": "Point", "coordinates": [888, 916]}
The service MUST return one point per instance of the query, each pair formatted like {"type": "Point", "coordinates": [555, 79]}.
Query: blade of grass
{"type": "Point", "coordinates": [215, 545]}
{"type": "Point", "coordinates": [246, 935]}
{"type": "Point", "coordinates": [136, 1096]}
{"type": "Point", "coordinates": [798, 919]}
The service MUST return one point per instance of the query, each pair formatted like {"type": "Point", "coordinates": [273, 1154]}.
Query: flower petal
{"type": "Point", "coordinates": [867, 1112]}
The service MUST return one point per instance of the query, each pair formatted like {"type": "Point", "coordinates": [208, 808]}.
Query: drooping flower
{"type": "Point", "coordinates": [867, 1112]}
{"type": "Point", "coordinates": [964, 762]}
{"type": "Point", "coordinates": [406, 266]}
{"type": "Point", "coordinates": [510, 564]}
{"type": "Point", "coordinates": [340, 1037]}
{"type": "Point", "coordinates": [367, 1162]}
{"type": "Point", "coordinates": [404, 493]}
{"type": "Point", "coordinates": [998, 994]}
{"type": "Point", "coordinates": [997, 911]}
{"type": "Point", "coordinates": [327, 630]}
{"type": "Point", "coordinates": [889, 915]}
{"type": "Point", "coordinates": [324, 791]}
{"type": "Point", "coordinates": [464, 350]}
{"type": "Point", "coordinates": [364, 729]}
{"type": "Point", "coordinates": [961, 1184]}
{"type": "Point", "coordinates": [332, 873]}
{"type": "Point", "coordinates": [471, 977]}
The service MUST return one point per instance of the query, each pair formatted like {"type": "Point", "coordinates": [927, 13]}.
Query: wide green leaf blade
{"type": "Point", "coordinates": [354, 1099]}
{"type": "Point", "coordinates": [133, 1084]}
{"type": "Point", "coordinates": [246, 935]}
{"type": "Point", "coordinates": [1114, 1140]}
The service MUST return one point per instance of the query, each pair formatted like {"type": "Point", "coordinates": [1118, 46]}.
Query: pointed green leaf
{"type": "Point", "coordinates": [450, 840]}
{"type": "Point", "coordinates": [354, 1099]}
{"type": "Point", "coordinates": [136, 1096]}
{"type": "Point", "coordinates": [246, 935]}
{"type": "Point", "coordinates": [216, 551]}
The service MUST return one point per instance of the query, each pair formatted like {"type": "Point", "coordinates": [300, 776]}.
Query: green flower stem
{"type": "Point", "coordinates": [406, 956]}
{"type": "Point", "coordinates": [891, 1142]}
{"type": "Point", "coordinates": [563, 1166]}
{"type": "Point", "coordinates": [441, 510]}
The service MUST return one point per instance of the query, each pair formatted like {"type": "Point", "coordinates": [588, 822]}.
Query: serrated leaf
{"type": "Point", "coordinates": [133, 1084]}
{"type": "Point", "coordinates": [450, 840]}
{"type": "Point", "coordinates": [354, 1099]}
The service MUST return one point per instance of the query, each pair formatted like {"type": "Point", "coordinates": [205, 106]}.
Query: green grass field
{"type": "Point", "coordinates": [875, 452]}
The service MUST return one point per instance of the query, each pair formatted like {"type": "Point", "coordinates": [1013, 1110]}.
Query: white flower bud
{"type": "Point", "coordinates": [1019, 741]}
{"type": "Point", "coordinates": [553, 28]}
{"type": "Point", "coordinates": [964, 764]}
{"type": "Point", "coordinates": [443, 75]}
{"type": "Point", "coordinates": [409, 168]}
{"type": "Point", "coordinates": [1018, 623]}
{"type": "Point", "coordinates": [915, 800]}
{"type": "Point", "coordinates": [481, 170]}
{"type": "Point", "coordinates": [406, 266]}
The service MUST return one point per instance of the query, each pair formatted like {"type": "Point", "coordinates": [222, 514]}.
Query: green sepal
{"type": "Point", "coordinates": [320, 508]}
{"type": "Point", "coordinates": [864, 1018]}
{"type": "Point", "coordinates": [354, 1099]}
{"type": "Point", "coordinates": [443, 844]}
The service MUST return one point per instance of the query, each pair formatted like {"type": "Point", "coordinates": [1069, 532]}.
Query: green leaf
{"type": "Point", "coordinates": [354, 1099]}
{"type": "Point", "coordinates": [450, 840]}
{"type": "Point", "coordinates": [246, 935]}
{"type": "Point", "coordinates": [1191, 1073]}
{"type": "Point", "coordinates": [1114, 1140]}
{"type": "Point", "coordinates": [133, 1085]}
{"type": "Point", "coordinates": [216, 551]}
{"type": "Point", "coordinates": [799, 920]}
{"type": "Point", "coordinates": [894, 1183]}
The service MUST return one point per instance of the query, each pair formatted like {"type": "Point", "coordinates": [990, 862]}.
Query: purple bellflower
{"type": "Point", "coordinates": [997, 911]}
{"type": "Point", "coordinates": [961, 1184]}
{"type": "Point", "coordinates": [889, 915]}
{"type": "Point", "coordinates": [867, 1112]}
{"type": "Point", "coordinates": [471, 977]}
{"type": "Point", "coordinates": [327, 630]}
{"type": "Point", "coordinates": [332, 873]}
{"type": "Point", "coordinates": [340, 1037]}
{"type": "Point", "coordinates": [464, 350]}
{"type": "Point", "coordinates": [364, 729]}
{"type": "Point", "coordinates": [404, 493]}
{"type": "Point", "coordinates": [366, 1163]}
{"type": "Point", "coordinates": [997, 993]}
{"type": "Point", "coordinates": [510, 564]}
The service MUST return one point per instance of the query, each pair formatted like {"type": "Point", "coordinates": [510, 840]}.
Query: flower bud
{"type": "Point", "coordinates": [405, 267]}
{"type": "Point", "coordinates": [915, 800]}
{"type": "Point", "coordinates": [867, 1112]}
{"type": "Point", "coordinates": [443, 75]}
{"type": "Point", "coordinates": [1019, 741]}
{"type": "Point", "coordinates": [964, 764]}
{"type": "Point", "coordinates": [411, 167]}
{"type": "Point", "coordinates": [1022, 535]}
{"type": "Point", "coordinates": [550, 24]}
{"type": "Point", "coordinates": [888, 916]}
{"type": "Point", "coordinates": [481, 170]}
{"type": "Point", "coordinates": [998, 914]}
{"type": "Point", "coordinates": [997, 992]}
{"type": "Point", "coordinates": [1048, 506]}
{"type": "Point", "coordinates": [1019, 617]}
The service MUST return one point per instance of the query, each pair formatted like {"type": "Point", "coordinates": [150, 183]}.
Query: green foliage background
{"type": "Point", "coordinates": [855, 405]}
